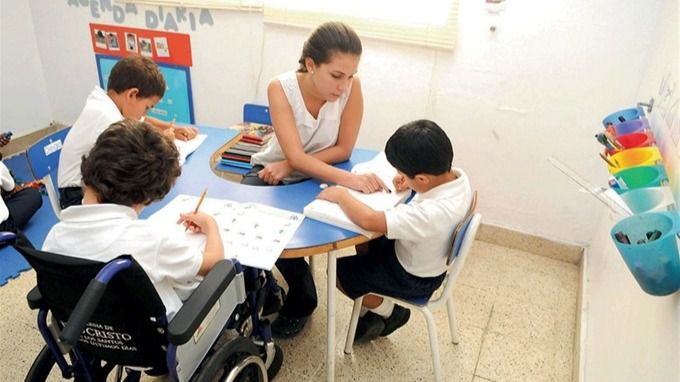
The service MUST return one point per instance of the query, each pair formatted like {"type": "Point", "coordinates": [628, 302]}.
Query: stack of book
{"type": "Point", "coordinates": [253, 138]}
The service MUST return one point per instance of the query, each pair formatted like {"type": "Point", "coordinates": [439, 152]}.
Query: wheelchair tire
{"type": "Point", "coordinates": [228, 357]}
{"type": "Point", "coordinates": [42, 366]}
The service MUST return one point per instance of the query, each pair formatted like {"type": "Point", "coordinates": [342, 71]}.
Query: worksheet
{"type": "Point", "coordinates": [252, 233]}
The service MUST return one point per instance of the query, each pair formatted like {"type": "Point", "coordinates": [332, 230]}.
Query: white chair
{"type": "Point", "coordinates": [461, 242]}
{"type": "Point", "coordinates": [43, 156]}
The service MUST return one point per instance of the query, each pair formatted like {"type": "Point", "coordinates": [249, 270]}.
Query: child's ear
{"type": "Point", "coordinates": [422, 179]}
{"type": "Point", "coordinates": [131, 93]}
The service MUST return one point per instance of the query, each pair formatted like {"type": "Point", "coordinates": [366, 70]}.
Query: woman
{"type": "Point", "coordinates": [316, 112]}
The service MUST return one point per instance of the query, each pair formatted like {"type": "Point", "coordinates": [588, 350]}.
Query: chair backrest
{"type": "Point", "coordinates": [128, 325]}
{"type": "Point", "coordinates": [459, 231]}
{"type": "Point", "coordinates": [461, 242]}
{"type": "Point", "coordinates": [256, 114]}
{"type": "Point", "coordinates": [43, 157]}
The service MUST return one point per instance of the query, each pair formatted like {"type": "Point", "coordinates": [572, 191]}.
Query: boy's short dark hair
{"type": "Point", "coordinates": [420, 147]}
{"type": "Point", "coordinates": [137, 72]}
{"type": "Point", "coordinates": [131, 163]}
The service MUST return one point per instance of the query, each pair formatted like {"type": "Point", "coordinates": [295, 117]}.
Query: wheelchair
{"type": "Point", "coordinates": [99, 317]}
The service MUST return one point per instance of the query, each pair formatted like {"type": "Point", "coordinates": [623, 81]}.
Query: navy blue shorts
{"type": "Point", "coordinates": [379, 271]}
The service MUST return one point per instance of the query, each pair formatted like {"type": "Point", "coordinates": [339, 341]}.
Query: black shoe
{"type": "Point", "coordinates": [287, 327]}
{"type": "Point", "coordinates": [369, 327]}
{"type": "Point", "coordinates": [396, 320]}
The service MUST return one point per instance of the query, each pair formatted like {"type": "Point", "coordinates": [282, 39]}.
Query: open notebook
{"type": "Point", "coordinates": [187, 147]}
{"type": "Point", "coordinates": [331, 213]}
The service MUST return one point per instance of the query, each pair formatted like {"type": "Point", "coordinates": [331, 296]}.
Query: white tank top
{"type": "Point", "coordinates": [315, 134]}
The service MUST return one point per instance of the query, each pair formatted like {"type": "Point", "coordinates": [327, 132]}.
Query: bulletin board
{"type": "Point", "coordinates": [177, 102]}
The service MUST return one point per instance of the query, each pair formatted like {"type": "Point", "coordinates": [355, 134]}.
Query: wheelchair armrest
{"type": "Point", "coordinates": [7, 237]}
{"type": "Point", "coordinates": [35, 299]}
{"type": "Point", "coordinates": [194, 310]}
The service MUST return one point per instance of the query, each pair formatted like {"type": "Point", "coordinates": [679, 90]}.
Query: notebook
{"type": "Point", "coordinates": [187, 147]}
{"type": "Point", "coordinates": [331, 213]}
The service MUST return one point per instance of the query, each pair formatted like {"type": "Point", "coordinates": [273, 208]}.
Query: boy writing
{"type": "Point", "coordinates": [410, 261]}
{"type": "Point", "coordinates": [131, 165]}
{"type": "Point", "coordinates": [135, 85]}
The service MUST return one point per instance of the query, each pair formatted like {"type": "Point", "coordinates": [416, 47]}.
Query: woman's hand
{"type": "Point", "coordinates": [275, 172]}
{"type": "Point", "coordinates": [367, 183]}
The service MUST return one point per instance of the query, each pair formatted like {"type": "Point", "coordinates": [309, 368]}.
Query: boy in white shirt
{"type": "Point", "coordinates": [410, 261]}
{"type": "Point", "coordinates": [131, 165]}
{"type": "Point", "coordinates": [135, 85]}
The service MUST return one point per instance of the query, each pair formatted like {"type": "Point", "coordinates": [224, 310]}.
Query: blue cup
{"type": "Point", "coordinates": [654, 262]}
{"type": "Point", "coordinates": [649, 199]}
{"type": "Point", "coordinates": [623, 115]}
{"type": "Point", "coordinates": [630, 127]}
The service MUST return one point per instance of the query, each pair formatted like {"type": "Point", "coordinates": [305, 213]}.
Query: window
{"type": "Point", "coordinates": [425, 22]}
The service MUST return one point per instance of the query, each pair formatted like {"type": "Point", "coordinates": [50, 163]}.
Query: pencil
{"type": "Point", "coordinates": [608, 161]}
{"type": "Point", "coordinates": [200, 201]}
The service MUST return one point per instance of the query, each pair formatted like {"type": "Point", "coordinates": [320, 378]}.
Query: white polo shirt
{"type": "Point", "coordinates": [422, 228]}
{"type": "Point", "coordinates": [98, 114]}
{"type": "Point", "coordinates": [315, 134]}
{"type": "Point", "coordinates": [102, 232]}
{"type": "Point", "coordinates": [7, 184]}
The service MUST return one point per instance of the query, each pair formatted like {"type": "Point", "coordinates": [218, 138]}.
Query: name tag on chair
{"type": "Point", "coordinates": [52, 147]}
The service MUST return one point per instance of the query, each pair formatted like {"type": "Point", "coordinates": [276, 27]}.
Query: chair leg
{"type": "Point", "coordinates": [453, 323]}
{"type": "Point", "coordinates": [434, 345]}
{"type": "Point", "coordinates": [351, 331]}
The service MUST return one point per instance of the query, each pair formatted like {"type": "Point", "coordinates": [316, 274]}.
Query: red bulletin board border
{"type": "Point", "coordinates": [178, 45]}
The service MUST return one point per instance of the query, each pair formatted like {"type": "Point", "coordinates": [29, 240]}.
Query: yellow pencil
{"type": "Point", "coordinates": [200, 200]}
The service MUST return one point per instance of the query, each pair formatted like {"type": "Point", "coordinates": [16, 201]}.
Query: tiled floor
{"type": "Point", "coordinates": [517, 314]}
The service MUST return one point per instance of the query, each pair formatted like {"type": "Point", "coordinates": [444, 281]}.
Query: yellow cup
{"type": "Point", "coordinates": [639, 156]}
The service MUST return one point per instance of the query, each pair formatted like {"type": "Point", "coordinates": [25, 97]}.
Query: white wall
{"type": "Point", "coordinates": [629, 335]}
{"type": "Point", "coordinates": [536, 87]}
{"type": "Point", "coordinates": [24, 106]}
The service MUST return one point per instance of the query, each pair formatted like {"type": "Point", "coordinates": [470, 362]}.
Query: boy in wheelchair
{"type": "Point", "coordinates": [147, 310]}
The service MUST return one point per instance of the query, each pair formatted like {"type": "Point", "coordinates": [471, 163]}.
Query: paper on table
{"type": "Point", "coordinates": [187, 147]}
{"type": "Point", "coordinates": [331, 213]}
{"type": "Point", "coordinates": [252, 233]}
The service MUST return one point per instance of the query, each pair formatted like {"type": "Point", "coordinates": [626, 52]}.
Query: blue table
{"type": "Point", "coordinates": [312, 238]}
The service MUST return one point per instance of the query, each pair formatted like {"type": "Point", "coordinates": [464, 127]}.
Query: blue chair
{"type": "Point", "coordinates": [43, 156]}
{"type": "Point", "coordinates": [461, 242]}
{"type": "Point", "coordinates": [256, 114]}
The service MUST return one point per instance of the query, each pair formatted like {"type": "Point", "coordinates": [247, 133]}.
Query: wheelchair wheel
{"type": "Point", "coordinates": [237, 361]}
{"type": "Point", "coordinates": [42, 366]}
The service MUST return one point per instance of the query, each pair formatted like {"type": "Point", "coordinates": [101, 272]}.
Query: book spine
{"type": "Point", "coordinates": [239, 152]}
{"type": "Point", "coordinates": [240, 158]}
{"type": "Point", "coordinates": [229, 162]}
